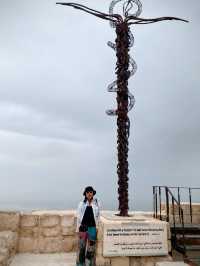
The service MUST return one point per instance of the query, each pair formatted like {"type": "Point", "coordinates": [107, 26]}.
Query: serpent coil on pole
{"type": "Point", "coordinates": [125, 68]}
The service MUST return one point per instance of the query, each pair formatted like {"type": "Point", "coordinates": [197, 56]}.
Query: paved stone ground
{"type": "Point", "coordinates": [60, 259]}
{"type": "Point", "coordinates": [56, 259]}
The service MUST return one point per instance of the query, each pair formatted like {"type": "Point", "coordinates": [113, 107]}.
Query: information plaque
{"type": "Point", "coordinates": [135, 239]}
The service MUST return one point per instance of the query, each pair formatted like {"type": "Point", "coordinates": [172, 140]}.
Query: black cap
{"type": "Point", "coordinates": [87, 189]}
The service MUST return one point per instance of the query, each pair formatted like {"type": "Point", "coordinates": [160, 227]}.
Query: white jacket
{"type": "Point", "coordinates": [81, 210]}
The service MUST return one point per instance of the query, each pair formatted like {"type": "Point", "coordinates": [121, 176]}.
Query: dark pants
{"type": "Point", "coordinates": [86, 247]}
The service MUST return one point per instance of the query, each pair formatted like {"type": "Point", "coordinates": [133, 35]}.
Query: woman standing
{"type": "Point", "coordinates": [88, 215]}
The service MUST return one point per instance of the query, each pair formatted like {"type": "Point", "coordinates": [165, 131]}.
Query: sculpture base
{"type": "Point", "coordinates": [135, 240]}
{"type": "Point", "coordinates": [136, 235]}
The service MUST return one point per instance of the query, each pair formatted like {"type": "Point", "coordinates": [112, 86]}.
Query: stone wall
{"type": "Point", "coordinates": [9, 224]}
{"type": "Point", "coordinates": [53, 231]}
{"type": "Point", "coordinates": [47, 232]}
{"type": "Point", "coordinates": [36, 232]}
{"type": "Point", "coordinates": [186, 212]}
{"type": "Point", "coordinates": [41, 232]}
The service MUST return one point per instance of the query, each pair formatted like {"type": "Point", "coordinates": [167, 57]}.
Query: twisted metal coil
{"type": "Point", "coordinates": [127, 6]}
{"type": "Point", "coordinates": [125, 68]}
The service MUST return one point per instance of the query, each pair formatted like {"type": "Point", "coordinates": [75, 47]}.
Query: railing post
{"type": "Point", "coordinates": [190, 196]}
{"type": "Point", "coordinates": [156, 203]}
{"type": "Point", "coordinates": [154, 208]}
{"type": "Point", "coordinates": [160, 202]}
{"type": "Point", "coordinates": [167, 203]}
{"type": "Point", "coordinates": [174, 239]}
{"type": "Point", "coordinates": [173, 211]}
{"type": "Point", "coordinates": [179, 202]}
{"type": "Point", "coordinates": [183, 230]}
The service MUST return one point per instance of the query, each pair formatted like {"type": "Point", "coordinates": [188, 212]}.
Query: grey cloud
{"type": "Point", "coordinates": [54, 133]}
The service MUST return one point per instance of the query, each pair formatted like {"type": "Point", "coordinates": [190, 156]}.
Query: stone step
{"type": "Point", "coordinates": [56, 259]}
{"type": "Point", "coordinates": [190, 236]}
{"type": "Point", "coordinates": [189, 239]}
{"type": "Point", "coordinates": [193, 248]}
{"type": "Point", "coordinates": [193, 261]}
{"type": "Point", "coordinates": [188, 229]}
{"type": "Point", "coordinates": [171, 263]}
{"type": "Point", "coordinates": [193, 252]}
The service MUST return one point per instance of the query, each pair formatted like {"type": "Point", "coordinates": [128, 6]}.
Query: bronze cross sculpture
{"type": "Point", "coordinates": [125, 68]}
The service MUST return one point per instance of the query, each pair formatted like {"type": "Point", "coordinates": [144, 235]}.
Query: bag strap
{"type": "Point", "coordinates": [96, 201]}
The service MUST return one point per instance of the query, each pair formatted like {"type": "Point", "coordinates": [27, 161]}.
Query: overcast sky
{"type": "Point", "coordinates": [55, 137]}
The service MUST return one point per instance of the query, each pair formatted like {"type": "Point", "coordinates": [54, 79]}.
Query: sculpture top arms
{"type": "Point", "coordinates": [132, 20]}
{"type": "Point", "coordinates": [116, 18]}
{"type": "Point", "coordinates": [113, 18]}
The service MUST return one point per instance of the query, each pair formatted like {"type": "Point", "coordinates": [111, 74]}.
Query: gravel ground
{"type": "Point", "coordinates": [56, 259]}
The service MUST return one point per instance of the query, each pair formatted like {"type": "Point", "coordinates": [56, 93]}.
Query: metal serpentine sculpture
{"type": "Point", "coordinates": [125, 68]}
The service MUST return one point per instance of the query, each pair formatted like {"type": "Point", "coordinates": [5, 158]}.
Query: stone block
{"type": "Point", "coordinates": [196, 208]}
{"type": "Point", "coordinates": [100, 232]}
{"type": "Point", "coordinates": [75, 220]}
{"type": "Point", "coordinates": [27, 244]}
{"type": "Point", "coordinates": [175, 263]}
{"type": "Point", "coordinates": [3, 243]}
{"type": "Point", "coordinates": [29, 220]}
{"type": "Point", "coordinates": [51, 231]}
{"type": "Point", "coordinates": [99, 247]}
{"type": "Point", "coordinates": [75, 247]}
{"type": "Point", "coordinates": [67, 221]}
{"type": "Point", "coordinates": [169, 245]}
{"type": "Point", "coordinates": [178, 221]}
{"type": "Point", "coordinates": [102, 261]}
{"type": "Point", "coordinates": [68, 231]}
{"type": "Point", "coordinates": [185, 207]}
{"type": "Point", "coordinates": [10, 259]}
{"type": "Point", "coordinates": [147, 261]}
{"type": "Point", "coordinates": [120, 261]}
{"type": "Point", "coordinates": [187, 219]}
{"type": "Point", "coordinates": [168, 231]}
{"type": "Point", "coordinates": [196, 218]}
{"type": "Point", "coordinates": [29, 232]}
{"type": "Point", "coordinates": [137, 261]}
{"type": "Point", "coordinates": [50, 244]}
{"type": "Point", "coordinates": [163, 259]}
{"type": "Point", "coordinates": [8, 239]}
{"type": "Point", "coordinates": [12, 253]}
{"type": "Point", "coordinates": [4, 252]}
{"type": "Point", "coordinates": [3, 260]}
{"type": "Point", "coordinates": [68, 244]}
{"type": "Point", "coordinates": [9, 221]}
{"type": "Point", "coordinates": [47, 220]}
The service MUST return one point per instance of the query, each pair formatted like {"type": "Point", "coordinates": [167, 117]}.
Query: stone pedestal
{"type": "Point", "coordinates": [133, 241]}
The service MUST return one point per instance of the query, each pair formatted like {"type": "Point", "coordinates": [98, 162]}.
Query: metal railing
{"type": "Point", "coordinates": [163, 212]}
{"type": "Point", "coordinates": [189, 191]}
{"type": "Point", "coordinates": [178, 191]}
